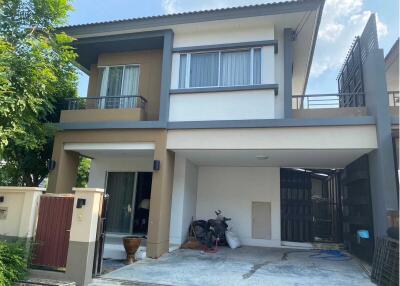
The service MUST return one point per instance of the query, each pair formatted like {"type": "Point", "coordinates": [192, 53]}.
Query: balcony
{"type": "Point", "coordinates": [329, 105]}
{"type": "Point", "coordinates": [98, 109]}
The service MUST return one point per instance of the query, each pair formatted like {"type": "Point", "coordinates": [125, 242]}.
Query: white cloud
{"type": "Point", "coordinates": [342, 20]}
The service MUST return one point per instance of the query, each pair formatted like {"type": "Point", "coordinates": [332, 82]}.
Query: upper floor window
{"type": "Point", "coordinates": [119, 86]}
{"type": "Point", "coordinates": [120, 80]}
{"type": "Point", "coordinates": [220, 68]}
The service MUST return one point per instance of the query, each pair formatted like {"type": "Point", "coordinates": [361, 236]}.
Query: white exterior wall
{"type": "Point", "coordinates": [232, 105]}
{"type": "Point", "coordinates": [101, 165]}
{"type": "Point", "coordinates": [232, 190]}
{"type": "Point", "coordinates": [184, 195]}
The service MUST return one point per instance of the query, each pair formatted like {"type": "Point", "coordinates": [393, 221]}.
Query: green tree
{"type": "Point", "coordinates": [36, 75]}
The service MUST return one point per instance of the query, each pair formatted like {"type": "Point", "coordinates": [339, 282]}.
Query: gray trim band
{"type": "Point", "coordinates": [113, 125]}
{"type": "Point", "coordinates": [129, 36]}
{"type": "Point", "coordinates": [256, 123]}
{"type": "Point", "coordinates": [273, 123]}
{"type": "Point", "coordinates": [225, 88]}
{"type": "Point", "coordinates": [228, 46]}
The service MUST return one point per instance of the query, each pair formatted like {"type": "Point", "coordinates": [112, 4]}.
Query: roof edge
{"type": "Point", "coordinates": [193, 17]}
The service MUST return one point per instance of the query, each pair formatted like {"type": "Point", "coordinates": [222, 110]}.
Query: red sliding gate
{"type": "Point", "coordinates": [52, 233]}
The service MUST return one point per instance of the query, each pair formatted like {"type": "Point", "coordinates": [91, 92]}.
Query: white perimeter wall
{"type": "Point", "coordinates": [101, 165]}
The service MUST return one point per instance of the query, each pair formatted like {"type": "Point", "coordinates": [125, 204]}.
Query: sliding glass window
{"type": "Point", "coordinates": [220, 68]}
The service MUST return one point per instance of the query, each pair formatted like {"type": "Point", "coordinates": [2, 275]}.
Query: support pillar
{"type": "Point", "coordinates": [63, 178]}
{"type": "Point", "coordinates": [160, 201]}
{"type": "Point", "coordinates": [381, 161]}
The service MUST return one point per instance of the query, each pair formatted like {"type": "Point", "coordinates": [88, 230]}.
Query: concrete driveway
{"type": "Point", "coordinates": [244, 266]}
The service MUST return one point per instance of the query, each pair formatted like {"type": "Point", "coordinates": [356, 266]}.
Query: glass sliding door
{"type": "Point", "coordinates": [118, 85]}
{"type": "Point", "coordinates": [114, 87]}
{"type": "Point", "coordinates": [121, 187]}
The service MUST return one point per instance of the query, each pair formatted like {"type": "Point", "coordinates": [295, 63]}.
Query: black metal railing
{"type": "Point", "coordinates": [336, 100]}
{"type": "Point", "coordinates": [394, 98]}
{"type": "Point", "coordinates": [106, 102]}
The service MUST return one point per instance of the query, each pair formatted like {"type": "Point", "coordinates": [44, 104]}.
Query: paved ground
{"type": "Point", "coordinates": [246, 266]}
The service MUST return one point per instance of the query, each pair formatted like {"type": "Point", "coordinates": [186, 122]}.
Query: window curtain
{"type": "Point", "coordinates": [257, 66]}
{"type": "Point", "coordinates": [103, 87]}
{"type": "Point", "coordinates": [130, 86]}
{"type": "Point", "coordinates": [120, 187]}
{"type": "Point", "coordinates": [204, 70]}
{"type": "Point", "coordinates": [235, 68]}
{"type": "Point", "coordinates": [182, 71]}
{"type": "Point", "coordinates": [114, 87]}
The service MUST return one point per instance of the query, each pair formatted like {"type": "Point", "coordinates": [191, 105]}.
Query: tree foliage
{"type": "Point", "coordinates": [36, 75]}
{"type": "Point", "coordinates": [13, 262]}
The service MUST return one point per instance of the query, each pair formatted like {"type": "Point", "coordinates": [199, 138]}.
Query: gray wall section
{"type": "Point", "coordinates": [381, 161]}
{"type": "Point", "coordinates": [80, 262]}
{"type": "Point", "coordinates": [166, 75]}
{"type": "Point", "coordinates": [288, 71]}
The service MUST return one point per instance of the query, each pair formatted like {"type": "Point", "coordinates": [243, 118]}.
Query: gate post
{"type": "Point", "coordinates": [85, 216]}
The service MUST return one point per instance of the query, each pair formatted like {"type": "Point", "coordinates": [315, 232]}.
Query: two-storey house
{"type": "Point", "coordinates": [195, 112]}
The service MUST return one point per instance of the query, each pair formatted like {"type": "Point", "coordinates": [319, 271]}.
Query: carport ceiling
{"type": "Point", "coordinates": [275, 158]}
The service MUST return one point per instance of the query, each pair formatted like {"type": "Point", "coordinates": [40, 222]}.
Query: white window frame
{"type": "Point", "coordinates": [188, 61]}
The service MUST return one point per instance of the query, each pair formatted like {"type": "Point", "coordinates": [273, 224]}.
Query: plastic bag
{"type": "Point", "coordinates": [232, 239]}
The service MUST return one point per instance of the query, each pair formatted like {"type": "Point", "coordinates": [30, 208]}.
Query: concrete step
{"type": "Point", "coordinates": [41, 282]}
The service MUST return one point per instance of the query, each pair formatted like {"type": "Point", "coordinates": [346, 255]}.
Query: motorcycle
{"type": "Point", "coordinates": [211, 232]}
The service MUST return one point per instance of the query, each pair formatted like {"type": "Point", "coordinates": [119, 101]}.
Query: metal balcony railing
{"type": "Point", "coordinates": [337, 100]}
{"type": "Point", "coordinates": [106, 102]}
{"type": "Point", "coordinates": [394, 98]}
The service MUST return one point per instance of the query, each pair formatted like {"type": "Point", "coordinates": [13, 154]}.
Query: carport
{"type": "Point", "coordinates": [244, 266]}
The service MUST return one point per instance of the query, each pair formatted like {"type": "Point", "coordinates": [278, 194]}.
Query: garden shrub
{"type": "Point", "coordinates": [13, 262]}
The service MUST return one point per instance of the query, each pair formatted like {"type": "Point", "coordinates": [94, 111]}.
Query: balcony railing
{"type": "Point", "coordinates": [337, 100]}
{"type": "Point", "coordinates": [394, 98]}
{"type": "Point", "coordinates": [106, 102]}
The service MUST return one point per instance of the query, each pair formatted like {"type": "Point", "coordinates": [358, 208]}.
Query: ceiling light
{"type": "Point", "coordinates": [262, 157]}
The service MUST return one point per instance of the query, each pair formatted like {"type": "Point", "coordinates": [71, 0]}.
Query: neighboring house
{"type": "Point", "coordinates": [194, 112]}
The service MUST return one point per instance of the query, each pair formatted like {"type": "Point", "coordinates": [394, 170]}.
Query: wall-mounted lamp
{"type": "Point", "coordinates": [156, 165]}
{"type": "Point", "coordinates": [80, 203]}
{"type": "Point", "coordinates": [51, 165]}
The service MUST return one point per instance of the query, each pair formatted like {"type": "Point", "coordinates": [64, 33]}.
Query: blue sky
{"type": "Point", "coordinates": [342, 20]}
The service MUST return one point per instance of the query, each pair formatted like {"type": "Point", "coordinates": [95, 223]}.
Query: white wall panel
{"type": "Point", "coordinates": [237, 105]}
{"type": "Point", "coordinates": [232, 190]}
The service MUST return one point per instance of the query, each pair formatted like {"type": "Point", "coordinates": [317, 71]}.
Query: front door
{"type": "Point", "coordinates": [121, 187]}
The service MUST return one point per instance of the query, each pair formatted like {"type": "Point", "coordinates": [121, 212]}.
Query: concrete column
{"type": "Point", "coordinates": [184, 198]}
{"type": "Point", "coordinates": [83, 235]}
{"type": "Point", "coordinates": [63, 178]}
{"type": "Point", "coordinates": [160, 202]}
{"type": "Point", "coordinates": [381, 161]}
{"type": "Point", "coordinates": [18, 211]}
{"type": "Point", "coordinates": [288, 71]}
